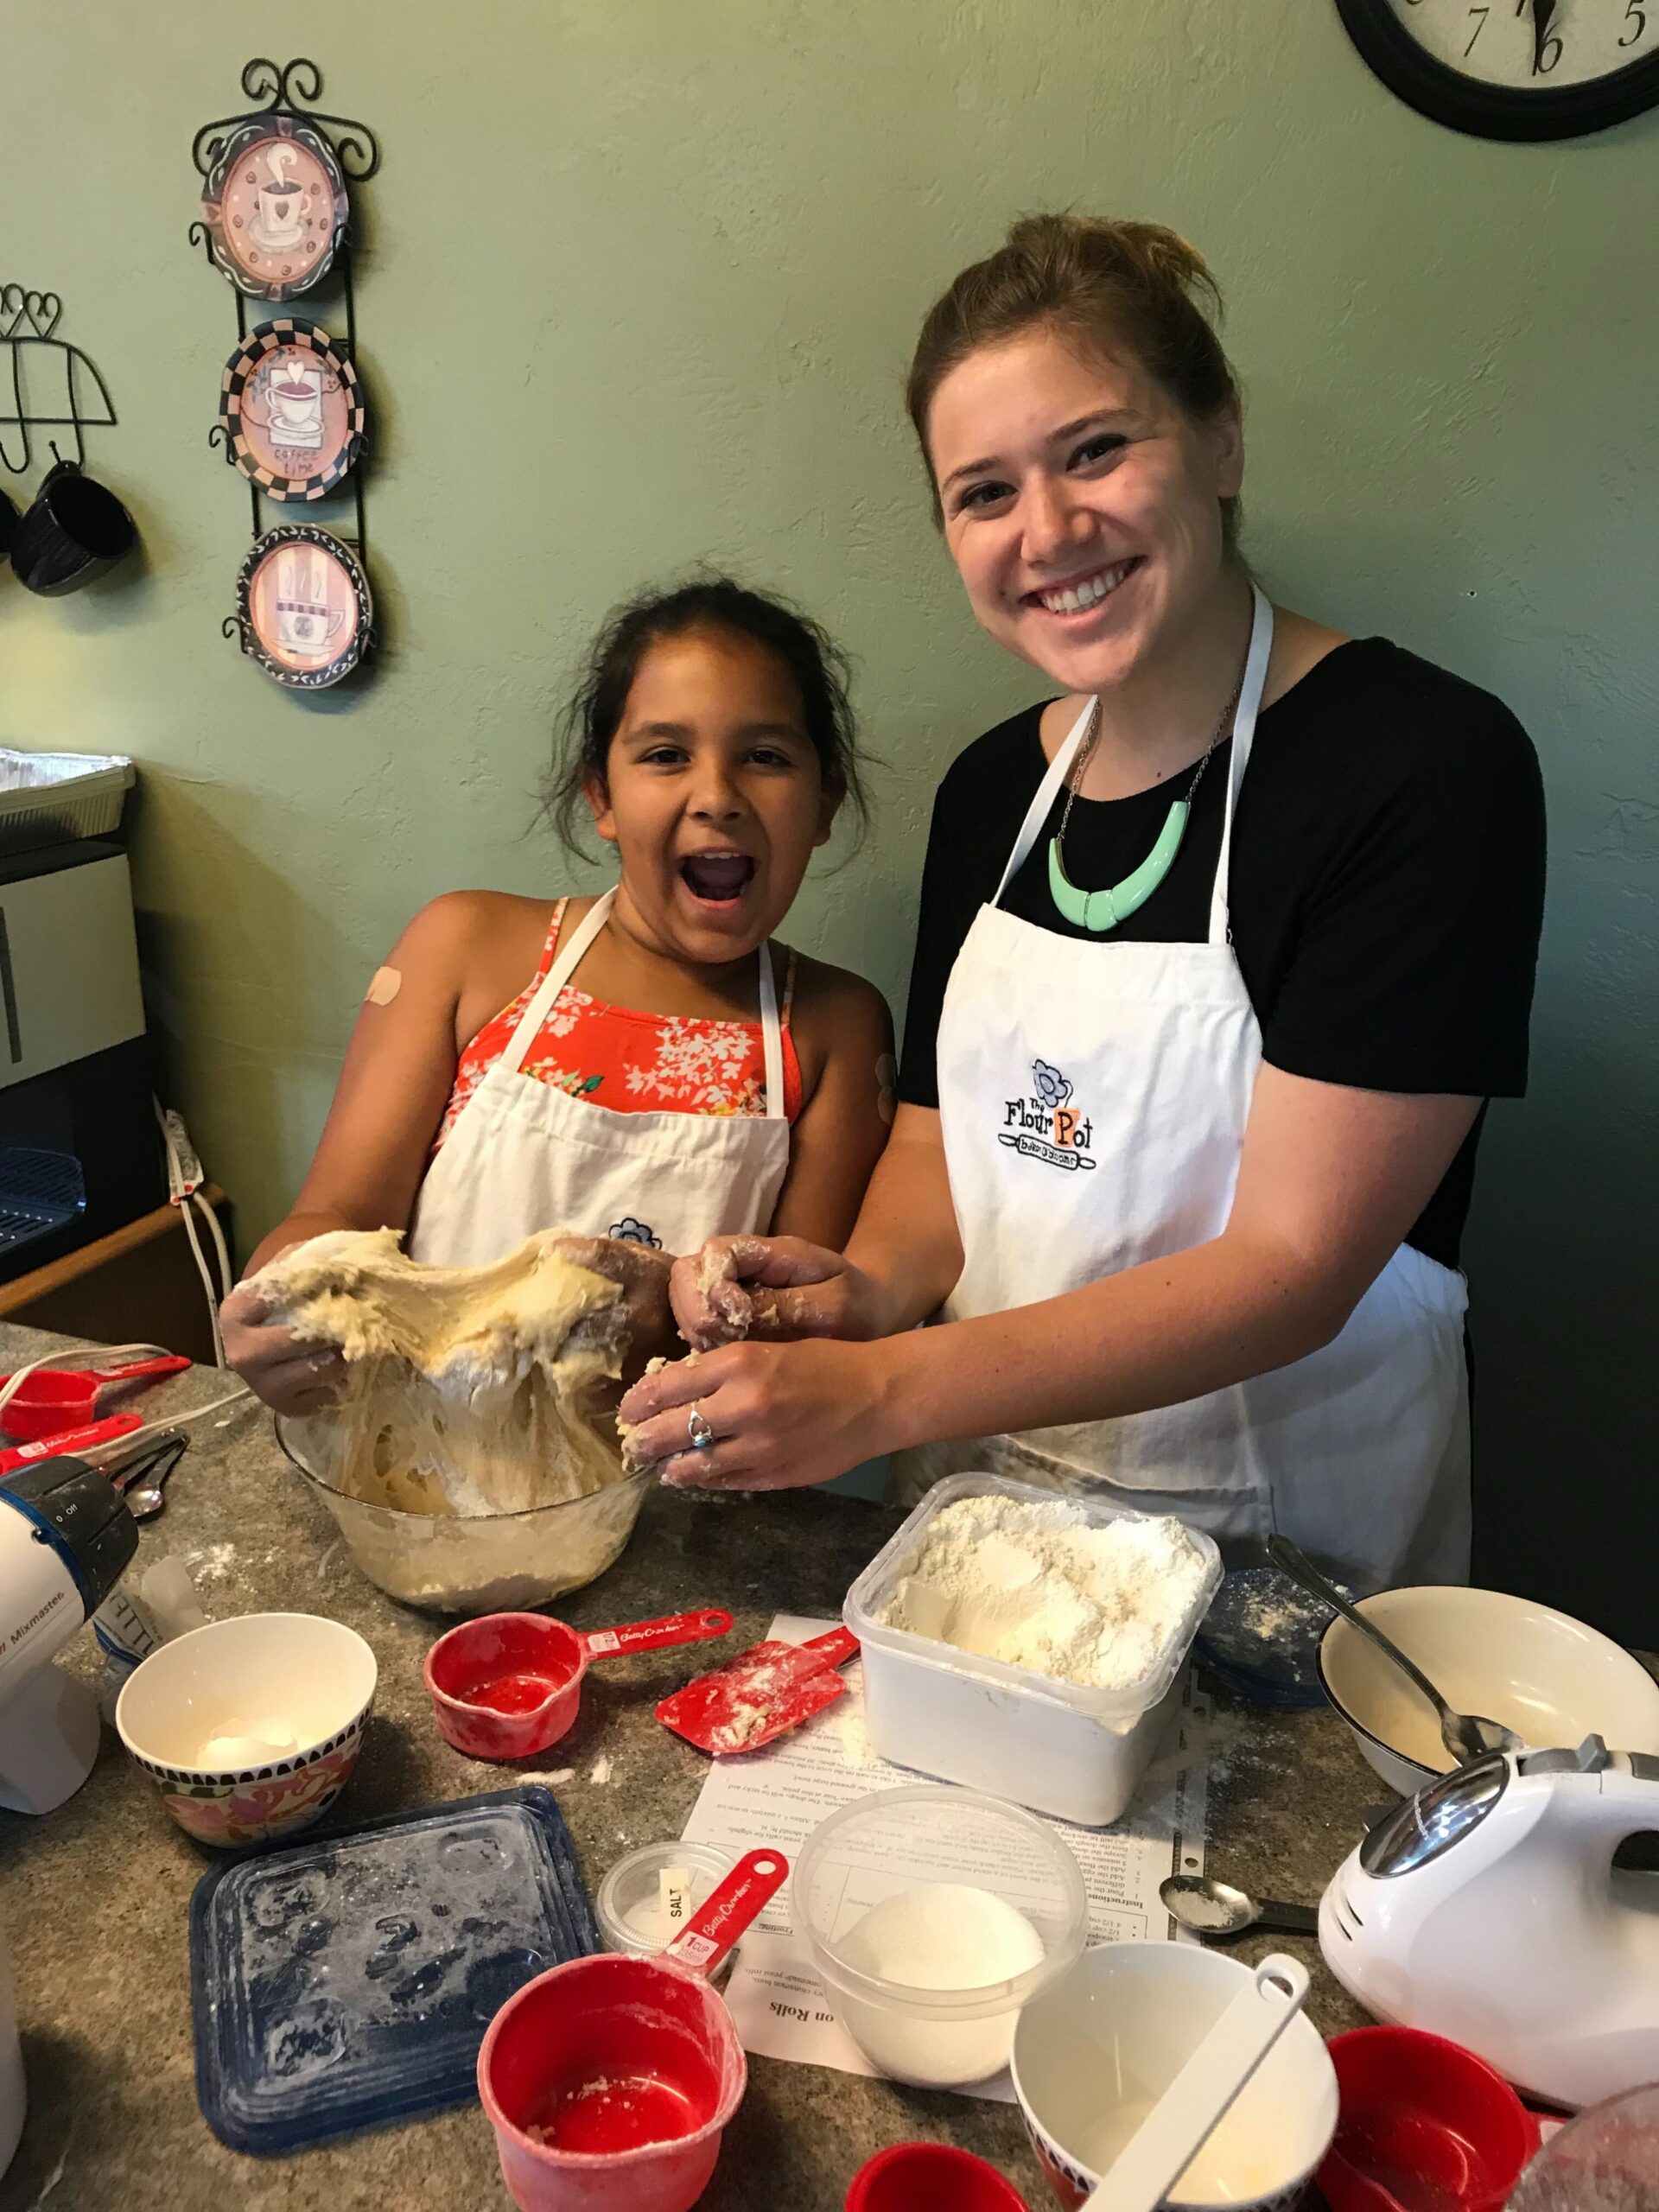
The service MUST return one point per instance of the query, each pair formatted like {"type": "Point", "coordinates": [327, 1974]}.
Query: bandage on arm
{"type": "Point", "coordinates": [398, 1074]}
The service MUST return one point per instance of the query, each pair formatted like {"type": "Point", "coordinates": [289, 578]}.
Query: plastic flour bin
{"type": "Point", "coordinates": [1076, 1753]}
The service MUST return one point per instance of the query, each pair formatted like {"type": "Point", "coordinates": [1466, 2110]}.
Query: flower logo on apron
{"type": "Point", "coordinates": [630, 1231]}
{"type": "Point", "coordinates": [1045, 1125]}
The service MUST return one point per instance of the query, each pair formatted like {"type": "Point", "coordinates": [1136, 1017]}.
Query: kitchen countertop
{"type": "Point", "coordinates": [94, 1897]}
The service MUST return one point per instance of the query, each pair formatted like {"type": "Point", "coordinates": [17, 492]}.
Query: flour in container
{"type": "Point", "coordinates": [1041, 1586]}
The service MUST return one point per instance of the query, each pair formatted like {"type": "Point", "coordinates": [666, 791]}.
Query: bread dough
{"type": "Point", "coordinates": [628, 1430]}
{"type": "Point", "coordinates": [468, 1391]}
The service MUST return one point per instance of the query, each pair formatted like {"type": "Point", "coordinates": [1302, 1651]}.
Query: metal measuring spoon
{"type": "Point", "coordinates": [1465, 1735]}
{"type": "Point", "coordinates": [140, 1473]}
{"type": "Point", "coordinates": [1218, 1911]}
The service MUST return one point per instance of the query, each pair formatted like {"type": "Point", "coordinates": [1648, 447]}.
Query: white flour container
{"type": "Point", "coordinates": [1072, 1753]}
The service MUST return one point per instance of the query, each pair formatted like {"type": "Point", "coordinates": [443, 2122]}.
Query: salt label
{"type": "Point", "coordinates": [674, 1891]}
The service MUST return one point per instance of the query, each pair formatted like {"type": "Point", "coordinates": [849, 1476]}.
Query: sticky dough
{"type": "Point", "coordinates": [468, 1391]}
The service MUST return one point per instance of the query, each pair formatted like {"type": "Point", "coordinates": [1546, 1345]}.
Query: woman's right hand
{"type": "Point", "coordinates": [292, 1377]}
{"type": "Point", "coordinates": [773, 1288]}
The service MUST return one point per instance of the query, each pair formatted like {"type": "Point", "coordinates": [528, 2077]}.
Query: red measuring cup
{"type": "Point", "coordinates": [1422, 2122]}
{"type": "Point", "coordinates": [930, 2177]}
{"type": "Point", "coordinates": [70, 1442]}
{"type": "Point", "coordinates": [508, 1685]}
{"type": "Point", "coordinates": [54, 1398]}
{"type": "Point", "coordinates": [609, 2081]}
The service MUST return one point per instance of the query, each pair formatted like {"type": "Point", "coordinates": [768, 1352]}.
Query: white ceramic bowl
{"type": "Point", "coordinates": [249, 1727]}
{"type": "Point", "coordinates": [1093, 2053]}
{"type": "Point", "coordinates": [897, 1844]}
{"type": "Point", "coordinates": [1546, 1676]}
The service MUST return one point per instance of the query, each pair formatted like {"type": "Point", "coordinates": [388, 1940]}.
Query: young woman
{"type": "Point", "coordinates": [1221, 954]}
{"type": "Point", "coordinates": [646, 1069]}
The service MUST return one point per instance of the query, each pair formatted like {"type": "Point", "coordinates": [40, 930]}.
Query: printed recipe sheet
{"type": "Point", "coordinates": [777, 1796]}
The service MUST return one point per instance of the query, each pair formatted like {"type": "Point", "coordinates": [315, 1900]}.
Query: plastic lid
{"type": "Point", "coordinates": [349, 1980]}
{"type": "Point", "coordinates": [1260, 1638]}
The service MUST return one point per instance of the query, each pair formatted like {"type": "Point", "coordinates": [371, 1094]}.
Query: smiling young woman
{"type": "Point", "coordinates": [1221, 953]}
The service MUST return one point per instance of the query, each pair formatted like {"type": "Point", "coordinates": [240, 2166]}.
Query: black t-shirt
{"type": "Point", "coordinates": [1386, 892]}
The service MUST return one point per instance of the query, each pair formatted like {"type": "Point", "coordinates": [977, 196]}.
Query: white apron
{"type": "Point", "coordinates": [1093, 1097]}
{"type": "Point", "coordinates": [524, 1155]}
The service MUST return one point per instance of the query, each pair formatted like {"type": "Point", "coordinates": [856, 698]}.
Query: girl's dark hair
{"type": "Point", "coordinates": [1105, 286]}
{"type": "Point", "coordinates": [591, 719]}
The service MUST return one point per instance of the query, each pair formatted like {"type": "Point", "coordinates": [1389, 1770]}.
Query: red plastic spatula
{"type": "Point", "coordinates": [766, 1691]}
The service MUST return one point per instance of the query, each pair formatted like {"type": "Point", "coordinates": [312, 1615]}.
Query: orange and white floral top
{"type": "Point", "coordinates": [633, 1062]}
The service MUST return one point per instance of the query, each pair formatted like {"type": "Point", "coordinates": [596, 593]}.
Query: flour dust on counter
{"type": "Point", "coordinates": [779, 1795]}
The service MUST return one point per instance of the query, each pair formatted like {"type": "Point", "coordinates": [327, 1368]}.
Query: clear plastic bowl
{"type": "Point", "coordinates": [901, 1840]}
{"type": "Point", "coordinates": [483, 1563]}
{"type": "Point", "coordinates": [633, 1886]}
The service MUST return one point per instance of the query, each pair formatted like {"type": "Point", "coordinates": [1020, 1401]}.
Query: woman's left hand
{"type": "Point", "coordinates": [782, 1415]}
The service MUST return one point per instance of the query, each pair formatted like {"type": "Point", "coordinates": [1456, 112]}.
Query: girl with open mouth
{"type": "Point", "coordinates": [646, 1069]}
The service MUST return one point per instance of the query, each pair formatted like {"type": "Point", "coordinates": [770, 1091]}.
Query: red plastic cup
{"type": "Point", "coordinates": [930, 2177]}
{"type": "Point", "coordinates": [509, 1685]}
{"type": "Point", "coordinates": [609, 2081]}
{"type": "Point", "coordinates": [1417, 2114]}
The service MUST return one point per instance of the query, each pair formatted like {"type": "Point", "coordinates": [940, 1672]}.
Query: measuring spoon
{"type": "Point", "coordinates": [1465, 1735]}
{"type": "Point", "coordinates": [1217, 1911]}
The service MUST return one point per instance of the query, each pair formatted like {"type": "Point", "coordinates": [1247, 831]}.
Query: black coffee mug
{"type": "Point", "coordinates": [76, 530]}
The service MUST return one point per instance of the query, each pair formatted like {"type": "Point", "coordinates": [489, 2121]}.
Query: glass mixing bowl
{"type": "Point", "coordinates": [485, 1563]}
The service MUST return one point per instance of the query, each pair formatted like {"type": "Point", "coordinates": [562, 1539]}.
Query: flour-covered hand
{"type": "Point", "coordinates": [291, 1376]}
{"type": "Point", "coordinates": [641, 1272]}
{"type": "Point", "coordinates": [782, 1415]}
{"type": "Point", "coordinates": [778, 1287]}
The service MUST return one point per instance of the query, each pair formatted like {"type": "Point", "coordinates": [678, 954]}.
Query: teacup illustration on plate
{"type": "Point", "coordinates": [307, 625]}
{"type": "Point", "coordinates": [278, 221]}
{"type": "Point", "coordinates": [290, 390]}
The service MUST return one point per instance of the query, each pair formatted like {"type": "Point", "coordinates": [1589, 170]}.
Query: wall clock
{"type": "Point", "coordinates": [1513, 68]}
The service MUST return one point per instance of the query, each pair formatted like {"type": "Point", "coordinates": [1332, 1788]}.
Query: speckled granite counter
{"type": "Point", "coordinates": [94, 1899]}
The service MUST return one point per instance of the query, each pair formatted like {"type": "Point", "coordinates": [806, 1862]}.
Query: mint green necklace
{"type": "Point", "coordinates": [1100, 910]}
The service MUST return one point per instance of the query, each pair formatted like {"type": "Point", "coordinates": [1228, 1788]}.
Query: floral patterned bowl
{"type": "Point", "coordinates": [249, 1727]}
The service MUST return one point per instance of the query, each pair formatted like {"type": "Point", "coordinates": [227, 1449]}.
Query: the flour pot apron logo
{"type": "Point", "coordinates": [1045, 1125]}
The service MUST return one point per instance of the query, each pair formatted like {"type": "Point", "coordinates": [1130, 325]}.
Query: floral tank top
{"type": "Point", "coordinates": [633, 1062]}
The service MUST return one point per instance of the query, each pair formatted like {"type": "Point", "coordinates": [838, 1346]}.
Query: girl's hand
{"type": "Point", "coordinates": [771, 1286]}
{"type": "Point", "coordinates": [782, 1415]}
{"type": "Point", "coordinates": [641, 1272]}
{"type": "Point", "coordinates": [292, 1377]}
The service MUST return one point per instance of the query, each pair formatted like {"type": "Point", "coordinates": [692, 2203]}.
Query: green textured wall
{"type": "Point", "coordinates": [638, 286]}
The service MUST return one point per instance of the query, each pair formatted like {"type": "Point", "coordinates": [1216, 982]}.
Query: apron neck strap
{"type": "Point", "coordinates": [1244, 714]}
{"type": "Point", "coordinates": [1249, 701]}
{"type": "Point", "coordinates": [1036, 813]}
{"type": "Point", "coordinates": [572, 946]}
{"type": "Point", "coordinates": [572, 949]}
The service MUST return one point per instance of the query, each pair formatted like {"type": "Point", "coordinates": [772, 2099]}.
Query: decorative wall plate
{"type": "Point", "coordinates": [274, 207]}
{"type": "Point", "coordinates": [292, 410]}
{"type": "Point", "coordinates": [304, 605]}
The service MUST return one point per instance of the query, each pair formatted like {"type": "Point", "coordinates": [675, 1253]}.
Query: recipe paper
{"type": "Point", "coordinates": [779, 1795]}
